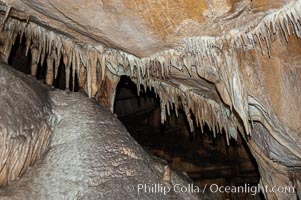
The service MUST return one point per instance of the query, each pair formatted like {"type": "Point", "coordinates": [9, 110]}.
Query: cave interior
{"type": "Point", "coordinates": [213, 97]}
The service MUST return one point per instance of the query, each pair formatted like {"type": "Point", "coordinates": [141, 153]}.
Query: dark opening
{"type": "Point", "coordinates": [17, 58]}
{"type": "Point", "coordinates": [206, 160]}
{"type": "Point", "coordinates": [21, 62]}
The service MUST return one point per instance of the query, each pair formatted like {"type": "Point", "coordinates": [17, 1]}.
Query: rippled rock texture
{"type": "Point", "coordinates": [234, 65]}
{"type": "Point", "coordinates": [24, 131]}
{"type": "Point", "coordinates": [90, 154]}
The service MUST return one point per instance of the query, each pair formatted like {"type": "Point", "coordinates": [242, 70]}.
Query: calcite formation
{"type": "Point", "coordinates": [89, 153]}
{"type": "Point", "coordinates": [23, 144]}
{"type": "Point", "coordinates": [224, 62]}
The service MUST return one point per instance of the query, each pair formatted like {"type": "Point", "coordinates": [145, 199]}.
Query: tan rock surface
{"type": "Point", "coordinates": [232, 64]}
{"type": "Point", "coordinates": [148, 26]}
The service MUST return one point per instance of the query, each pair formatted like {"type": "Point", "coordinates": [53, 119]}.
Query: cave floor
{"type": "Point", "coordinates": [90, 156]}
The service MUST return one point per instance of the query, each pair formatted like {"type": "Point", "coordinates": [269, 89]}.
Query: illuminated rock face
{"type": "Point", "coordinates": [232, 64]}
{"type": "Point", "coordinates": [24, 143]}
{"type": "Point", "coordinates": [88, 152]}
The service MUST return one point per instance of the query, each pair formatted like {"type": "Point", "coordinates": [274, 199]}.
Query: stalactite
{"type": "Point", "coordinates": [58, 60]}
{"type": "Point", "coordinates": [82, 76]}
{"type": "Point", "coordinates": [73, 70]}
{"type": "Point", "coordinates": [85, 59]}
{"type": "Point", "coordinates": [210, 58]}
{"type": "Point", "coordinates": [42, 46]}
{"type": "Point", "coordinates": [280, 21]}
{"type": "Point", "coordinates": [67, 75]}
{"type": "Point", "coordinates": [34, 59]}
{"type": "Point", "coordinates": [28, 40]}
{"type": "Point", "coordinates": [103, 66]}
{"type": "Point", "coordinates": [92, 63]}
{"type": "Point", "coordinates": [77, 63]}
{"type": "Point", "coordinates": [8, 8]}
{"type": "Point", "coordinates": [217, 116]}
{"type": "Point", "coordinates": [50, 72]}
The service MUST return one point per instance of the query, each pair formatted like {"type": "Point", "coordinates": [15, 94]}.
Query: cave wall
{"type": "Point", "coordinates": [275, 140]}
{"type": "Point", "coordinates": [225, 72]}
{"type": "Point", "coordinates": [25, 123]}
{"type": "Point", "coordinates": [275, 80]}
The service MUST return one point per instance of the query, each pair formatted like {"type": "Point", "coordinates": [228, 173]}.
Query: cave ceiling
{"type": "Point", "coordinates": [229, 63]}
{"type": "Point", "coordinates": [189, 52]}
{"type": "Point", "coordinates": [149, 26]}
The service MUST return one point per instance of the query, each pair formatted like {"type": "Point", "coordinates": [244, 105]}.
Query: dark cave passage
{"type": "Point", "coordinates": [206, 160]}
{"type": "Point", "coordinates": [21, 62]}
{"type": "Point", "coordinates": [17, 58]}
